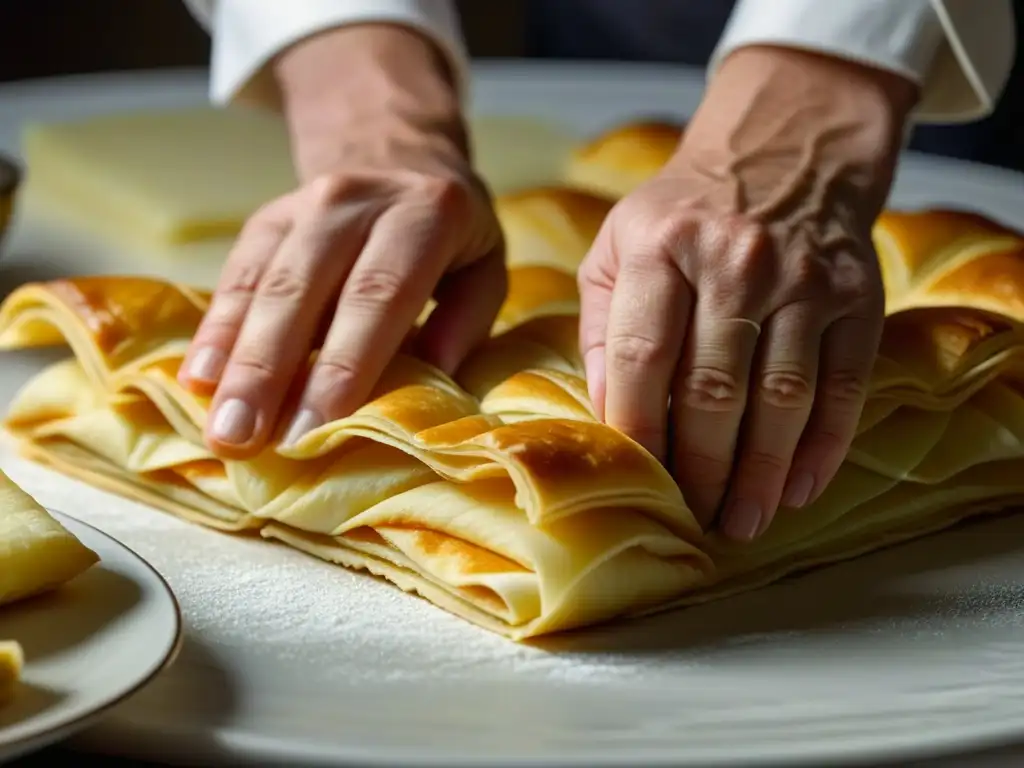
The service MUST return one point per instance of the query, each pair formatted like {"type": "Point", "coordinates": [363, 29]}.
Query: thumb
{"type": "Point", "coordinates": [595, 279]}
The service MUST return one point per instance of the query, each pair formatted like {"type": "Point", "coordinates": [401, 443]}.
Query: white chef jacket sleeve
{"type": "Point", "coordinates": [248, 34]}
{"type": "Point", "coordinates": [960, 52]}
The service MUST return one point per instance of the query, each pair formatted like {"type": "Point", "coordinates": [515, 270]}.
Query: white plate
{"type": "Point", "coordinates": [912, 652]}
{"type": "Point", "coordinates": [88, 646]}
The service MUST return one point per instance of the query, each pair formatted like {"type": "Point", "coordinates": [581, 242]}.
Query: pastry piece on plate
{"type": "Point", "coordinates": [619, 160]}
{"type": "Point", "coordinates": [11, 661]}
{"type": "Point", "coordinates": [496, 494]}
{"type": "Point", "coordinates": [37, 553]}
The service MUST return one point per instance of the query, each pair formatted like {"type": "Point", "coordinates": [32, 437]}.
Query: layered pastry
{"type": "Point", "coordinates": [496, 494]}
{"type": "Point", "coordinates": [619, 160]}
{"type": "Point", "coordinates": [37, 554]}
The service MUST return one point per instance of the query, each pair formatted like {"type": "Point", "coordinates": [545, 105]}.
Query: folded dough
{"type": "Point", "coordinates": [496, 494]}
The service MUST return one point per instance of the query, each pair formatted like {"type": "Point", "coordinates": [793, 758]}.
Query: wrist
{"type": "Point", "coordinates": [369, 80]}
{"type": "Point", "coordinates": [767, 101]}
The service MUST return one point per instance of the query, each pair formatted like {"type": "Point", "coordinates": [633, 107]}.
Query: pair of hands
{"type": "Point", "coordinates": [731, 307]}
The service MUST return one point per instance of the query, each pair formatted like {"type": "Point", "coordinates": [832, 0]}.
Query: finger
{"type": "Point", "coordinates": [781, 397]}
{"type": "Point", "coordinates": [252, 251]}
{"type": "Point", "coordinates": [647, 320]}
{"type": "Point", "coordinates": [279, 329]}
{"type": "Point", "coordinates": [468, 301]}
{"type": "Point", "coordinates": [595, 280]}
{"type": "Point", "coordinates": [848, 350]}
{"type": "Point", "coordinates": [709, 397]}
{"type": "Point", "coordinates": [382, 297]}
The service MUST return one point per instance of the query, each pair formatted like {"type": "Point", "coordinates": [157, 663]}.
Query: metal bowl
{"type": "Point", "coordinates": [10, 180]}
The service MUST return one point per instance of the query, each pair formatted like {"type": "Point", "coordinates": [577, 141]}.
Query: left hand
{"type": "Point", "coordinates": [741, 282]}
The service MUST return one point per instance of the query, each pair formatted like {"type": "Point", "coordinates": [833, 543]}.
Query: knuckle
{"type": "Point", "coordinates": [372, 286]}
{"type": "Point", "coordinates": [787, 390]}
{"type": "Point", "coordinates": [443, 193]}
{"type": "Point", "coordinates": [747, 244]}
{"type": "Point", "coordinates": [225, 313]}
{"type": "Point", "coordinates": [328, 190]}
{"type": "Point", "coordinates": [593, 274]}
{"type": "Point", "coordinates": [737, 265]}
{"type": "Point", "coordinates": [828, 441]}
{"type": "Point", "coordinates": [712, 389]}
{"type": "Point", "coordinates": [240, 280]}
{"type": "Point", "coordinates": [703, 479]}
{"type": "Point", "coordinates": [627, 350]}
{"type": "Point", "coordinates": [808, 274]}
{"type": "Point", "coordinates": [218, 330]}
{"type": "Point", "coordinates": [649, 434]}
{"type": "Point", "coordinates": [269, 217]}
{"type": "Point", "coordinates": [844, 387]}
{"type": "Point", "coordinates": [254, 368]}
{"type": "Point", "coordinates": [283, 283]}
{"type": "Point", "coordinates": [673, 235]}
{"type": "Point", "coordinates": [701, 468]}
{"type": "Point", "coordinates": [333, 373]}
{"type": "Point", "coordinates": [761, 464]}
{"type": "Point", "coordinates": [854, 273]}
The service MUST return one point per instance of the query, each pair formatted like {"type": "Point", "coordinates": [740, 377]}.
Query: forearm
{"type": "Point", "coordinates": [785, 125]}
{"type": "Point", "coordinates": [376, 77]}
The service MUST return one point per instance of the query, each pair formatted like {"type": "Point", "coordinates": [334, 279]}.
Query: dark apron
{"type": "Point", "coordinates": [686, 31]}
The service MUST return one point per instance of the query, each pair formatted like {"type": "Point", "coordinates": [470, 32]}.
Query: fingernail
{"type": "Point", "coordinates": [742, 520]}
{"type": "Point", "coordinates": [305, 421]}
{"type": "Point", "coordinates": [798, 490]}
{"type": "Point", "coordinates": [206, 364]}
{"type": "Point", "coordinates": [234, 423]}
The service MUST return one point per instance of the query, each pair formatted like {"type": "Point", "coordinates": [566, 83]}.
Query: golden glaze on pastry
{"type": "Point", "coordinates": [548, 231]}
{"type": "Point", "coordinates": [496, 494]}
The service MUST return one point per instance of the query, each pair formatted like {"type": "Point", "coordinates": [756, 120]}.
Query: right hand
{"type": "Point", "coordinates": [388, 214]}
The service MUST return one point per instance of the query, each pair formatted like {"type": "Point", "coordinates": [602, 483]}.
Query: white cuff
{"type": "Point", "coordinates": [960, 59]}
{"type": "Point", "coordinates": [248, 34]}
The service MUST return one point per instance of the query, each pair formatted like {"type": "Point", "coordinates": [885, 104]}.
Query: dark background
{"type": "Point", "coordinates": [40, 38]}
{"type": "Point", "coordinates": [51, 37]}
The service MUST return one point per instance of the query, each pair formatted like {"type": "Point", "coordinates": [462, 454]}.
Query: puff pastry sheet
{"type": "Point", "coordinates": [495, 494]}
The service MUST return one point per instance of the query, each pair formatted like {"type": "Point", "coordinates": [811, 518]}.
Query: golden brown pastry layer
{"type": "Point", "coordinates": [624, 157]}
{"type": "Point", "coordinates": [495, 494]}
